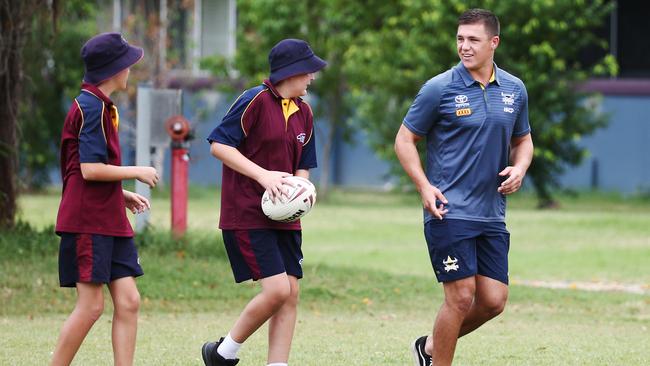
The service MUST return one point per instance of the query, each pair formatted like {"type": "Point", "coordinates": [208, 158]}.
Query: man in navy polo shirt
{"type": "Point", "coordinates": [266, 136]}
{"type": "Point", "coordinates": [475, 121]}
{"type": "Point", "coordinates": [96, 237]}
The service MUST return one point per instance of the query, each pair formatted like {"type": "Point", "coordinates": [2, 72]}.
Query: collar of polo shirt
{"type": "Point", "coordinates": [469, 80]}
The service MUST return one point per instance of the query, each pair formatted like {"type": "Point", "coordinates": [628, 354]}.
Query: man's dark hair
{"type": "Point", "coordinates": [474, 16]}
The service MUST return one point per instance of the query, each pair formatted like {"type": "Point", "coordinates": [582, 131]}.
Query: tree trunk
{"type": "Point", "coordinates": [15, 18]}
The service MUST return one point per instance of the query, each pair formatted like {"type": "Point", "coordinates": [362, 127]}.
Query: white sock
{"type": "Point", "coordinates": [228, 348]}
{"type": "Point", "coordinates": [277, 364]}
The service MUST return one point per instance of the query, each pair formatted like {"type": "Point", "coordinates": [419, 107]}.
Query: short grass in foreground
{"type": "Point", "coordinates": [368, 287]}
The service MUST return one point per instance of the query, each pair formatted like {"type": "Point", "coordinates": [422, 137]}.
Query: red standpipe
{"type": "Point", "coordinates": [179, 130]}
{"type": "Point", "coordinates": [180, 165]}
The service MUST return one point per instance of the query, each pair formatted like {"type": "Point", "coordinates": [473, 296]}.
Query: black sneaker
{"type": "Point", "coordinates": [420, 356]}
{"type": "Point", "coordinates": [212, 358]}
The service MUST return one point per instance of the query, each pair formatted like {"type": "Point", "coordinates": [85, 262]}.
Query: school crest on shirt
{"type": "Point", "coordinates": [301, 137]}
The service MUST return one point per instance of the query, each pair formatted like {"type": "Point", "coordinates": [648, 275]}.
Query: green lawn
{"type": "Point", "coordinates": [368, 288]}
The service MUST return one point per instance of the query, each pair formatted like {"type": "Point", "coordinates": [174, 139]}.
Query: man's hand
{"type": "Point", "coordinates": [272, 181]}
{"type": "Point", "coordinates": [429, 196]}
{"type": "Point", "coordinates": [134, 202]}
{"type": "Point", "coordinates": [147, 175]}
{"type": "Point", "coordinates": [513, 183]}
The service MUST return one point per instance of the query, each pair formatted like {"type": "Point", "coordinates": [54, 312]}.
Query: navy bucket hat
{"type": "Point", "coordinates": [106, 54]}
{"type": "Point", "coordinates": [291, 57]}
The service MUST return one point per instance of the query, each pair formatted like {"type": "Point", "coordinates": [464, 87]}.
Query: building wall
{"type": "Point", "coordinates": [619, 157]}
{"type": "Point", "coordinates": [620, 153]}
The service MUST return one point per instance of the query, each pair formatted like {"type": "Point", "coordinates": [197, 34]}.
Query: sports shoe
{"type": "Point", "coordinates": [212, 358]}
{"type": "Point", "coordinates": [420, 356]}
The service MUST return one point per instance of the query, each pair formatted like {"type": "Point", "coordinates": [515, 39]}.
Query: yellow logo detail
{"type": "Point", "coordinates": [463, 112]}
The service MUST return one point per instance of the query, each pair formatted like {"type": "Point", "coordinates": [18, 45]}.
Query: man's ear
{"type": "Point", "coordinates": [495, 42]}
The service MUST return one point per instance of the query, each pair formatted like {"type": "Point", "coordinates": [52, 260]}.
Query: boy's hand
{"type": "Point", "coordinates": [148, 176]}
{"type": "Point", "coordinates": [135, 203]}
{"type": "Point", "coordinates": [272, 181]}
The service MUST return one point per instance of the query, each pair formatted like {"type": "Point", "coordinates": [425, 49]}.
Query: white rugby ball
{"type": "Point", "coordinates": [299, 201]}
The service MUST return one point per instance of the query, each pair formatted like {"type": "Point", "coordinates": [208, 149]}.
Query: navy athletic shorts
{"type": "Point", "coordinates": [94, 258]}
{"type": "Point", "coordinates": [462, 248]}
{"type": "Point", "coordinates": [256, 254]}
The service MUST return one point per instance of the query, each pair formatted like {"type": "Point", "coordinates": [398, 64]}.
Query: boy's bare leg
{"type": "Point", "coordinates": [275, 292]}
{"type": "Point", "coordinates": [126, 301]}
{"type": "Point", "coordinates": [89, 307]}
{"type": "Point", "coordinates": [282, 325]}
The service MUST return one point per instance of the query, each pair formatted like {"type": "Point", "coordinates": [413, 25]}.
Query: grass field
{"type": "Point", "coordinates": [368, 288]}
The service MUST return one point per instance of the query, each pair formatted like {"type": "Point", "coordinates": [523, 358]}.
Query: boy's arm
{"type": "Point", "coordinates": [272, 181]}
{"type": "Point", "coordinates": [110, 173]}
{"type": "Point", "coordinates": [303, 173]}
{"type": "Point", "coordinates": [135, 202]}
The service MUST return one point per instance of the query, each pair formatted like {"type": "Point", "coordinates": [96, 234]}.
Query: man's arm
{"type": "Point", "coordinates": [521, 155]}
{"type": "Point", "coordinates": [272, 181]}
{"type": "Point", "coordinates": [407, 153]}
{"type": "Point", "coordinates": [110, 173]}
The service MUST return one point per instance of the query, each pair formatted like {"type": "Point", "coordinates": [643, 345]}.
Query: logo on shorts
{"type": "Point", "coordinates": [300, 262]}
{"type": "Point", "coordinates": [450, 264]}
{"type": "Point", "coordinates": [301, 137]}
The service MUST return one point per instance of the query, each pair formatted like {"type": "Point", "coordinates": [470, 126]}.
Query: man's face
{"type": "Point", "coordinates": [475, 46]}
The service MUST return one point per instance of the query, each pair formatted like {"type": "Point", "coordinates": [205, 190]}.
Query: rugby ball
{"type": "Point", "coordinates": [299, 201]}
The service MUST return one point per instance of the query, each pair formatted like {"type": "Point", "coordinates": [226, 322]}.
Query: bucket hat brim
{"type": "Point", "coordinates": [306, 66]}
{"type": "Point", "coordinates": [128, 59]}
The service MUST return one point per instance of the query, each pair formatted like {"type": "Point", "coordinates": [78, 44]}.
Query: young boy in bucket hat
{"type": "Point", "coordinates": [96, 237]}
{"type": "Point", "coordinates": [266, 136]}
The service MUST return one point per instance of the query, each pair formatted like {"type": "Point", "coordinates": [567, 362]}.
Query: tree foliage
{"type": "Point", "coordinates": [381, 52]}
{"type": "Point", "coordinates": [15, 18]}
{"type": "Point", "coordinates": [331, 27]}
{"type": "Point", "coordinates": [53, 72]}
{"type": "Point", "coordinates": [540, 43]}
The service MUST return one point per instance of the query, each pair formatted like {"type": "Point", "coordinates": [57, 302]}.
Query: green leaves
{"type": "Point", "coordinates": [381, 52]}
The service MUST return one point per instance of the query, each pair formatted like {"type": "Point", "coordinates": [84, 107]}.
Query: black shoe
{"type": "Point", "coordinates": [212, 358]}
{"type": "Point", "coordinates": [420, 356]}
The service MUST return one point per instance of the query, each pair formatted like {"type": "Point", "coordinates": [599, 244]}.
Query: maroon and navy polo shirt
{"type": "Point", "coordinates": [274, 133]}
{"type": "Point", "coordinates": [90, 135]}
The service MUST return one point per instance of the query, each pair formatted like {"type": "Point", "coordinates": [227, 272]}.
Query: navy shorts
{"type": "Point", "coordinates": [256, 254]}
{"type": "Point", "coordinates": [461, 248]}
{"type": "Point", "coordinates": [94, 258]}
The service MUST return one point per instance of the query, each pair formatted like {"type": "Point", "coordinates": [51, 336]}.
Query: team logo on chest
{"type": "Point", "coordinates": [508, 100]}
{"type": "Point", "coordinates": [301, 137]}
{"type": "Point", "coordinates": [462, 105]}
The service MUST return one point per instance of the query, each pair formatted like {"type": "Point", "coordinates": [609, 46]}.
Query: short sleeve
{"type": "Point", "coordinates": [92, 138]}
{"type": "Point", "coordinates": [237, 122]}
{"type": "Point", "coordinates": [424, 111]}
{"type": "Point", "coordinates": [522, 126]}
